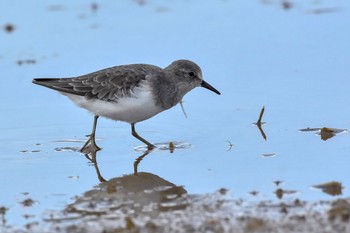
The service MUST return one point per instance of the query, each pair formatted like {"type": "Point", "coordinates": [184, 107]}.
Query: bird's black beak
{"type": "Point", "coordinates": [209, 87]}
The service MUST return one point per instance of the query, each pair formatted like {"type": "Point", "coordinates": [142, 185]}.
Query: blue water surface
{"type": "Point", "coordinates": [292, 59]}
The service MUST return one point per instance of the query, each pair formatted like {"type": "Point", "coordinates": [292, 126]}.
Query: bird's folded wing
{"type": "Point", "coordinates": [109, 84]}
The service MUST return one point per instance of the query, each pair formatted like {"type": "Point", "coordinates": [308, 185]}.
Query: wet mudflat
{"type": "Point", "coordinates": [225, 165]}
{"type": "Point", "coordinates": [145, 202]}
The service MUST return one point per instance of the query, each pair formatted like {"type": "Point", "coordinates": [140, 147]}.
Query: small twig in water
{"type": "Point", "coordinates": [260, 116]}
{"type": "Point", "coordinates": [259, 123]}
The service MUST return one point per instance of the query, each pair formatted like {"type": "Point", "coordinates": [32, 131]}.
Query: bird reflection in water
{"type": "Point", "coordinates": [92, 157]}
{"type": "Point", "coordinates": [137, 192]}
{"type": "Point", "coordinates": [171, 146]}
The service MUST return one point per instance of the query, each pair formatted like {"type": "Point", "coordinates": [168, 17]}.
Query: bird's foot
{"type": "Point", "coordinates": [90, 147]}
{"type": "Point", "coordinates": [150, 147]}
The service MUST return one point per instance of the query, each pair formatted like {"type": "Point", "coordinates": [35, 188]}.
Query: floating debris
{"type": "Point", "coordinates": [27, 202]}
{"type": "Point", "coordinates": [308, 129]}
{"type": "Point", "coordinates": [29, 151]}
{"type": "Point", "coordinates": [26, 61]}
{"type": "Point", "coordinates": [287, 5]}
{"type": "Point", "coordinates": [281, 192]}
{"type": "Point", "coordinates": [9, 28]}
{"type": "Point", "coordinates": [74, 177]}
{"type": "Point", "coordinates": [269, 155]}
{"type": "Point", "coordinates": [325, 132]}
{"type": "Point", "coordinates": [223, 191]}
{"type": "Point", "coordinates": [332, 188]}
{"type": "Point", "coordinates": [254, 193]}
{"type": "Point", "coordinates": [28, 216]}
{"type": "Point", "coordinates": [278, 182]}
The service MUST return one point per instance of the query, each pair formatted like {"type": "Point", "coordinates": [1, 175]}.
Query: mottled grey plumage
{"type": "Point", "coordinates": [130, 93]}
{"type": "Point", "coordinates": [108, 84]}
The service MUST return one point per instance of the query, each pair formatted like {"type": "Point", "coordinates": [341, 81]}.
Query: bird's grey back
{"type": "Point", "coordinates": [108, 84]}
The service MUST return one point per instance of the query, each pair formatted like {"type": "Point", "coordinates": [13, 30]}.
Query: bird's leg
{"type": "Point", "coordinates": [91, 143]}
{"type": "Point", "coordinates": [135, 134]}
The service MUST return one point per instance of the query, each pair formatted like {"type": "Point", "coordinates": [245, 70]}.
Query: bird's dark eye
{"type": "Point", "coordinates": [191, 74]}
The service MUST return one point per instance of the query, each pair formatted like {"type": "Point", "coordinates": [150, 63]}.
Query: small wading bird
{"type": "Point", "coordinates": [130, 93]}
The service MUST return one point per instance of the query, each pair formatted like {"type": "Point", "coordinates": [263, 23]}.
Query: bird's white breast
{"type": "Point", "coordinates": [140, 106]}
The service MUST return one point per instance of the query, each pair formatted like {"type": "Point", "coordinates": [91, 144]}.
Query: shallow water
{"type": "Point", "coordinates": [292, 59]}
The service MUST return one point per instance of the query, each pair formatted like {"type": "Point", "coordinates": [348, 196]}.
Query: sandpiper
{"type": "Point", "coordinates": [130, 93]}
